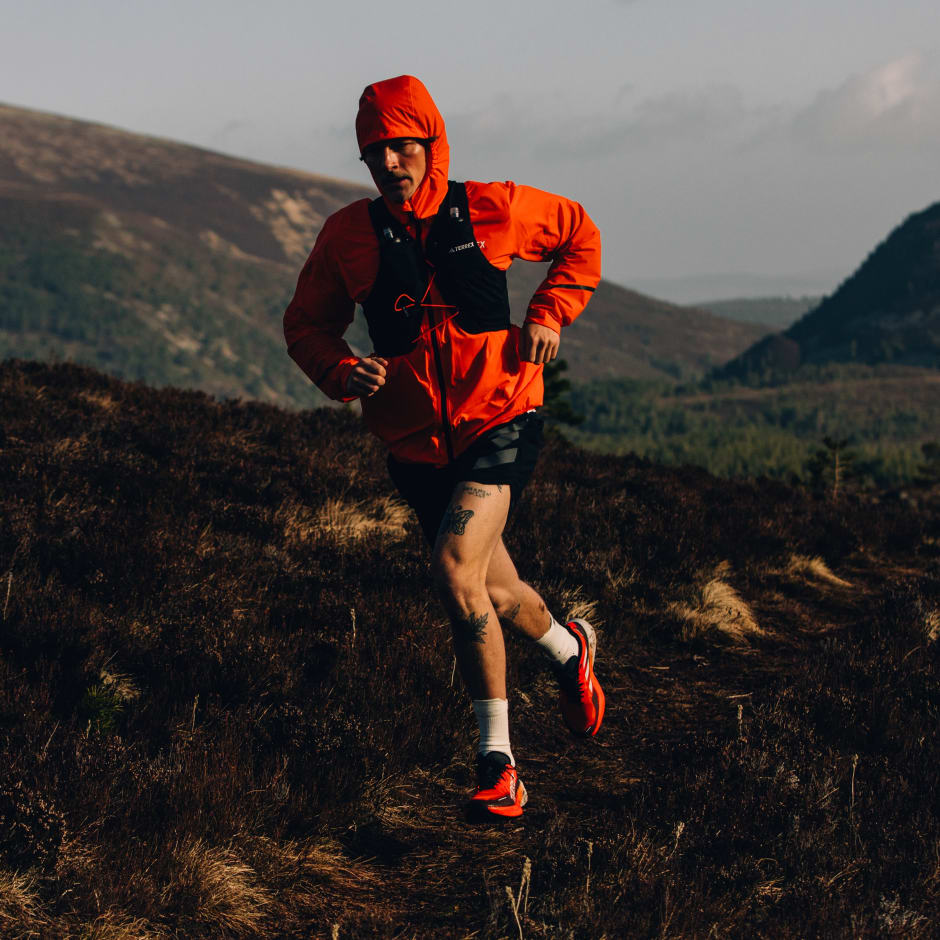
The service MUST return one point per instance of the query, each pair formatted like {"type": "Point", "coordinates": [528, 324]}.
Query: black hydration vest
{"type": "Point", "coordinates": [474, 288]}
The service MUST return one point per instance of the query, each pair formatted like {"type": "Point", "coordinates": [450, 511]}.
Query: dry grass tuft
{"type": "Point", "coordinates": [70, 446]}
{"type": "Point", "coordinates": [932, 625]}
{"type": "Point", "coordinates": [214, 886]}
{"type": "Point", "coordinates": [351, 521]}
{"type": "Point", "coordinates": [122, 687]}
{"type": "Point", "coordinates": [717, 608]}
{"type": "Point", "coordinates": [313, 880]}
{"type": "Point", "coordinates": [570, 602]}
{"type": "Point", "coordinates": [344, 522]}
{"type": "Point", "coordinates": [814, 569]}
{"type": "Point", "coordinates": [306, 863]}
{"type": "Point", "coordinates": [394, 802]}
{"type": "Point", "coordinates": [99, 399]}
{"type": "Point", "coordinates": [20, 908]}
{"type": "Point", "coordinates": [116, 925]}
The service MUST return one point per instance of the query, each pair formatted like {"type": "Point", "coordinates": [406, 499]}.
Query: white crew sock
{"type": "Point", "coordinates": [493, 720]}
{"type": "Point", "coordinates": [559, 644]}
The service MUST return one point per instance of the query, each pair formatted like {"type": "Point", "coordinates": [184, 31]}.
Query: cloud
{"type": "Point", "coordinates": [678, 116]}
{"type": "Point", "coordinates": [556, 130]}
{"type": "Point", "coordinates": [895, 104]}
{"type": "Point", "coordinates": [714, 145]}
{"type": "Point", "coordinates": [891, 107]}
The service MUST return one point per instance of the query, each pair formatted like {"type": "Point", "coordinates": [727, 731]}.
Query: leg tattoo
{"type": "Point", "coordinates": [455, 520]}
{"type": "Point", "coordinates": [475, 491]}
{"type": "Point", "coordinates": [510, 617]}
{"type": "Point", "coordinates": [472, 629]}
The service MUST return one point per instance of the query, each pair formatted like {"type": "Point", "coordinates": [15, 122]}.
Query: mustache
{"type": "Point", "coordinates": [394, 178]}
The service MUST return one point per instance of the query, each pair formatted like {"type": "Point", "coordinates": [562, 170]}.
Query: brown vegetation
{"type": "Point", "coordinates": [228, 704]}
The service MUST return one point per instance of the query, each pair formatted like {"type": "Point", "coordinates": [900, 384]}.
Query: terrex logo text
{"type": "Point", "coordinates": [464, 247]}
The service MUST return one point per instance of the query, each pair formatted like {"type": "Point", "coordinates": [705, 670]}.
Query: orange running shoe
{"type": "Point", "coordinates": [580, 694]}
{"type": "Point", "coordinates": [500, 793]}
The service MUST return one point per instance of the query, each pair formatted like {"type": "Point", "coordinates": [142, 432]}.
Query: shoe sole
{"type": "Point", "coordinates": [479, 812]}
{"type": "Point", "coordinates": [591, 636]}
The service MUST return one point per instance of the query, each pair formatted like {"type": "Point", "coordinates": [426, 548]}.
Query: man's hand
{"type": "Point", "coordinates": [538, 344]}
{"type": "Point", "coordinates": [367, 376]}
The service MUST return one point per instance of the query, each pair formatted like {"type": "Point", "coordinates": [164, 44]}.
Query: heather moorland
{"type": "Point", "coordinates": [228, 704]}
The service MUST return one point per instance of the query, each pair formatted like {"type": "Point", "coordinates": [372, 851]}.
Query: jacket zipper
{"type": "Point", "coordinates": [435, 345]}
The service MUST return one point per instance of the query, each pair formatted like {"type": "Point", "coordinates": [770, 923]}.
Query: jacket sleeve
{"type": "Point", "coordinates": [551, 228]}
{"type": "Point", "coordinates": [318, 316]}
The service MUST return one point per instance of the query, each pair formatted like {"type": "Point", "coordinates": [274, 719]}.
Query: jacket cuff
{"type": "Point", "coordinates": [543, 318]}
{"type": "Point", "coordinates": [333, 382]}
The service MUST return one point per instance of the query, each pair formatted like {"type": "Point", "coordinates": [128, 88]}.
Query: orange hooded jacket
{"type": "Point", "coordinates": [453, 385]}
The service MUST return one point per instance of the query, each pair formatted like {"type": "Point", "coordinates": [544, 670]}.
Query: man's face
{"type": "Point", "coordinates": [397, 166]}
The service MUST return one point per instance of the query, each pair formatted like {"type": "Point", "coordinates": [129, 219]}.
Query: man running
{"type": "Point", "coordinates": [452, 387]}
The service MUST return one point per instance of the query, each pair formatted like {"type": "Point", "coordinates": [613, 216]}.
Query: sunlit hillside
{"type": "Point", "coordinates": [159, 261]}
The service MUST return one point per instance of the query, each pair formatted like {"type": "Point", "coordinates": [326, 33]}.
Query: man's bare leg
{"type": "Point", "coordinates": [570, 647]}
{"type": "Point", "coordinates": [516, 603]}
{"type": "Point", "coordinates": [470, 532]}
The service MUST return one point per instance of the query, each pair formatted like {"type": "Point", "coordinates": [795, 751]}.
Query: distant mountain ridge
{"type": "Point", "coordinates": [698, 290]}
{"type": "Point", "coordinates": [888, 311]}
{"type": "Point", "coordinates": [775, 312]}
{"type": "Point", "coordinates": [164, 262]}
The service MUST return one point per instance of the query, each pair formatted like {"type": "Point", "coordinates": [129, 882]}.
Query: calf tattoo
{"type": "Point", "coordinates": [510, 616]}
{"type": "Point", "coordinates": [472, 628]}
{"type": "Point", "coordinates": [455, 520]}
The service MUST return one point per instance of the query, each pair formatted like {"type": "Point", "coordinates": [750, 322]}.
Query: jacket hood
{"type": "Point", "coordinates": [402, 107]}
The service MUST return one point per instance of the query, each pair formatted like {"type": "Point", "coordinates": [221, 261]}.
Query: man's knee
{"type": "Point", "coordinates": [459, 584]}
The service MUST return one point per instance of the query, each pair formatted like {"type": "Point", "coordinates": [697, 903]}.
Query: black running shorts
{"type": "Point", "coordinates": [503, 455]}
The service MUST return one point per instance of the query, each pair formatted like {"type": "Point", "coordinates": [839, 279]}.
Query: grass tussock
{"type": "Point", "coordinates": [115, 925]}
{"type": "Point", "coordinates": [314, 865]}
{"type": "Point", "coordinates": [21, 908]}
{"type": "Point", "coordinates": [212, 886]}
{"type": "Point", "coordinates": [932, 628]}
{"type": "Point", "coordinates": [570, 601]}
{"type": "Point", "coordinates": [99, 400]}
{"type": "Point", "coordinates": [814, 569]}
{"type": "Point", "coordinates": [716, 610]}
{"type": "Point", "coordinates": [229, 707]}
{"type": "Point", "coordinates": [121, 687]}
{"type": "Point", "coordinates": [341, 522]}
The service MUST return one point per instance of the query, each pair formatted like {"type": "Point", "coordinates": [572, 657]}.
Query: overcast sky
{"type": "Point", "coordinates": [703, 137]}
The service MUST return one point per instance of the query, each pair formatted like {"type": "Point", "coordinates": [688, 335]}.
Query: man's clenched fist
{"type": "Point", "coordinates": [367, 376]}
{"type": "Point", "coordinates": [538, 344]}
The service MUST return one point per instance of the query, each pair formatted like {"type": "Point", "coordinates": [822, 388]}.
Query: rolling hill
{"type": "Point", "coordinates": [172, 264]}
{"type": "Point", "coordinates": [888, 311]}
